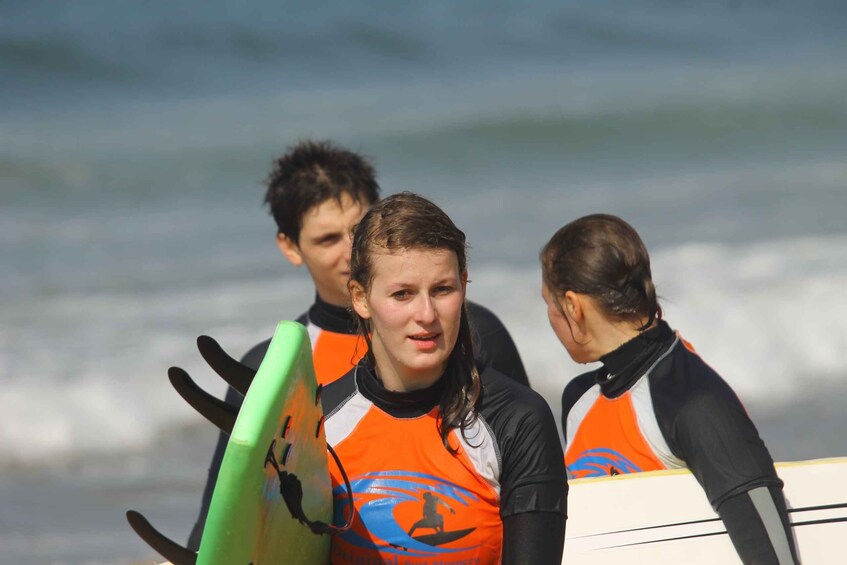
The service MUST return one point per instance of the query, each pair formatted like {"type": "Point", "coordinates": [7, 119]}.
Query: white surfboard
{"type": "Point", "coordinates": [664, 517]}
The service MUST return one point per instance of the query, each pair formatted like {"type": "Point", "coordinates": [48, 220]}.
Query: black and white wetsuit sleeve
{"type": "Point", "coordinates": [729, 459]}
{"type": "Point", "coordinates": [757, 523]}
{"type": "Point", "coordinates": [494, 346]}
{"type": "Point", "coordinates": [533, 485]}
{"type": "Point", "coordinates": [712, 433]}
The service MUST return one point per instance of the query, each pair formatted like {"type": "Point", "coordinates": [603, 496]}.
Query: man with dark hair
{"type": "Point", "coordinates": [316, 193]}
{"type": "Point", "coordinates": [311, 173]}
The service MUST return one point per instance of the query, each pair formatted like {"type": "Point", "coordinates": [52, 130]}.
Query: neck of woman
{"type": "Point", "coordinates": [402, 379]}
{"type": "Point", "coordinates": [608, 335]}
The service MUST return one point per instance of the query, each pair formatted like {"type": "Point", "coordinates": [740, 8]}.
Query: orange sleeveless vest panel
{"type": "Point", "coordinates": [335, 353]}
{"type": "Point", "coordinates": [608, 441]}
{"type": "Point", "coordinates": [425, 506]}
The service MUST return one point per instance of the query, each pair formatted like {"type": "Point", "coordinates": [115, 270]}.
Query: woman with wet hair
{"type": "Point", "coordinates": [446, 463]}
{"type": "Point", "coordinates": [653, 403]}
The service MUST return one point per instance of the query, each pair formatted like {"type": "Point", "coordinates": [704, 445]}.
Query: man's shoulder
{"type": "Point", "coordinates": [501, 394]}
{"type": "Point", "coordinates": [493, 345]}
{"type": "Point", "coordinates": [253, 357]}
{"type": "Point", "coordinates": [483, 319]}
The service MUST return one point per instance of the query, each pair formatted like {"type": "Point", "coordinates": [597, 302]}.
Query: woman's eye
{"type": "Point", "coordinates": [443, 289]}
{"type": "Point", "coordinates": [401, 294]}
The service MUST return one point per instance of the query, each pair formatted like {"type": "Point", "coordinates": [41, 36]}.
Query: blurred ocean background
{"type": "Point", "coordinates": [135, 136]}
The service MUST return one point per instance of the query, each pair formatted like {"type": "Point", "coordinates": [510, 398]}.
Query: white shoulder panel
{"type": "Point", "coordinates": [579, 411]}
{"type": "Point", "coordinates": [341, 423]}
{"type": "Point", "coordinates": [314, 331]}
{"type": "Point", "coordinates": [482, 451]}
{"type": "Point", "coordinates": [642, 403]}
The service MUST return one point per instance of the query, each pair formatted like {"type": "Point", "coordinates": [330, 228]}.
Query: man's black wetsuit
{"type": "Point", "coordinates": [654, 404]}
{"type": "Point", "coordinates": [336, 348]}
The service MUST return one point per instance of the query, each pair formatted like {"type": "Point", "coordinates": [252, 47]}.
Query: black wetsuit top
{"type": "Point", "coordinates": [493, 345]}
{"type": "Point", "coordinates": [678, 413]}
{"type": "Point", "coordinates": [504, 490]}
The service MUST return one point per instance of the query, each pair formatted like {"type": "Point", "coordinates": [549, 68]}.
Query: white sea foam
{"type": "Point", "coordinates": [770, 317]}
{"type": "Point", "coordinates": [87, 372]}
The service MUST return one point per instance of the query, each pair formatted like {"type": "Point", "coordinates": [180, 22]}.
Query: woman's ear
{"type": "Point", "coordinates": [289, 249]}
{"type": "Point", "coordinates": [464, 280]}
{"type": "Point", "coordinates": [573, 306]}
{"type": "Point", "coordinates": [359, 299]}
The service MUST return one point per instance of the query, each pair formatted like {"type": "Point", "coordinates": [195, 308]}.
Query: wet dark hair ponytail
{"type": "Point", "coordinates": [603, 257]}
{"type": "Point", "coordinates": [407, 221]}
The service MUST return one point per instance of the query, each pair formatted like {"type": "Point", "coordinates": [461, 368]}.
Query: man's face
{"type": "Point", "coordinates": [325, 246]}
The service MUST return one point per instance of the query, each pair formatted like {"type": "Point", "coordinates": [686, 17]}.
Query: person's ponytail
{"type": "Point", "coordinates": [603, 257]}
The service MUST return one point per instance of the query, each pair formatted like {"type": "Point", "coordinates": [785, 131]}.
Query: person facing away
{"type": "Point", "coordinates": [316, 193]}
{"type": "Point", "coordinates": [654, 403]}
{"type": "Point", "coordinates": [418, 418]}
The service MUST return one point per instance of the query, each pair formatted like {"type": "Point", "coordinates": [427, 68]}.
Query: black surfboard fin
{"type": "Point", "coordinates": [167, 548]}
{"type": "Point", "coordinates": [237, 375]}
{"type": "Point", "coordinates": [213, 409]}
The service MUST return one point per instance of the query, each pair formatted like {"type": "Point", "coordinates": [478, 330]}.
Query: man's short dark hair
{"type": "Point", "coordinates": [312, 172]}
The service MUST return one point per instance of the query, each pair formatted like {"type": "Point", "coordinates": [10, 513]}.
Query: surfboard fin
{"type": "Point", "coordinates": [237, 375]}
{"type": "Point", "coordinates": [167, 548]}
{"type": "Point", "coordinates": [216, 411]}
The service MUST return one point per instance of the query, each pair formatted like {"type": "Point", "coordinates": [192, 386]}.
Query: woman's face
{"type": "Point", "coordinates": [414, 305]}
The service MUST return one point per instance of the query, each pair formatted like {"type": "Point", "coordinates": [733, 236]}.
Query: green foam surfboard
{"type": "Point", "coordinates": [281, 418]}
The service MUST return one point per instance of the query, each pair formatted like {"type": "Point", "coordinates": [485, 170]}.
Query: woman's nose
{"type": "Point", "coordinates": [425, 310]}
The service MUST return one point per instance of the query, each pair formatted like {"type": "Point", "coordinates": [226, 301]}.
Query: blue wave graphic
{"type": "Point", "coordinates": [377, 514]}
{"type": "Point", "coordinates": [597, 463]}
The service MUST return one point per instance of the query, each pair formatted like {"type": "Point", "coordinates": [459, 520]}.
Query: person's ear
{"type": "Point", "coordinates": [289, 249]}
{"type": "Point", "coordinates": [359, 300]}
{"type": "Point", "coordinates": [464, 279]}
{"type": "Point", "coordinates": [573, 306]}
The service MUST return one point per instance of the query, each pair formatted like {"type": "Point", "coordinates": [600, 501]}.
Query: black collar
{"type": "Point", "coordinates": [626, 364]}
{"type": "Point", "coordinates": [398, 404]}
{"type": "Point", "coordinates": [337, 319]}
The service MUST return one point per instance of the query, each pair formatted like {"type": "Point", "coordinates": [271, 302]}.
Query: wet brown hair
{"type": "Point", "coordinates": [603, 257]}
{"type": "Point", "coordinates": [408, 221]}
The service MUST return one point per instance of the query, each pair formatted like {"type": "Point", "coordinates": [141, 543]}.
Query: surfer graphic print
{"type": "Point", "coordinates": [415, 471]}
{"type": "Point", "coordinates": [431, 518]}
{"type": "Point", "coordinates": [415, 501]}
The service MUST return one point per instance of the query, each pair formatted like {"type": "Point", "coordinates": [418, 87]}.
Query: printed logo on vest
{"type": "Point", "coordinates": [600, 462]}
{"type": "Point", "coordinates": [406, 513]}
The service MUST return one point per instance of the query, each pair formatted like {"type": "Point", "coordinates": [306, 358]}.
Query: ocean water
{"type": "Point", "coordinates": [134, 140]}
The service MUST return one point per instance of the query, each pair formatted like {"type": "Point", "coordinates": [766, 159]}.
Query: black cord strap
{"type": "Point", "coordinates": [292, 493]}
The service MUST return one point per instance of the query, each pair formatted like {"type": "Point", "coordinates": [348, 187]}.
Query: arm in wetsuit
{"type": "Point", "coordinates": [722, 447]}
{"type": "Point", "coordinates": [533, 481]}
{"type": "Point", "coordinates": [523, 546]}
{"type": "Point", "coordinates": [758, 525]}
